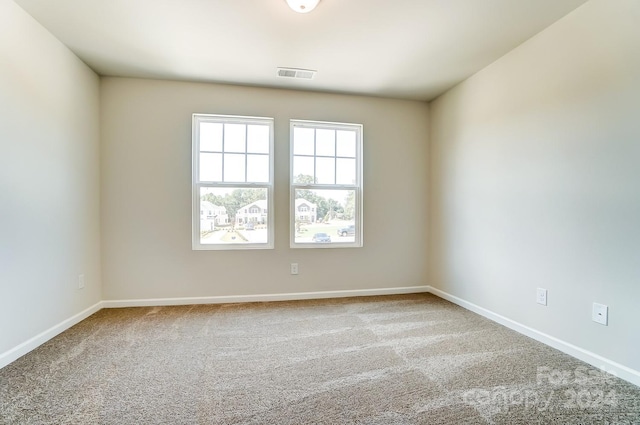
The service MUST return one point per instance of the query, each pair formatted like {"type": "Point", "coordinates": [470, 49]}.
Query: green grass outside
{"type": "Point", "coordinates": [331, 229]}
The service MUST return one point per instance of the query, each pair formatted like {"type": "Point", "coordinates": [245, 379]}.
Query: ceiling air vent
{"type": "Point", "coordinates": [305, 74]}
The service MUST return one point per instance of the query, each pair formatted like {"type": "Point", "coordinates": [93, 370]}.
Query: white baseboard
{"type": "Point", "coordinates": [153, 302]}
{"type": "Point", "coordinates": [33, 343]}
{"type": "Point", "coordinates": [593, 359]}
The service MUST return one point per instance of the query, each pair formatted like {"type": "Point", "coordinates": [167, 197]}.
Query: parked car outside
{"type": "Point", "coordinates": [249, 226]}
{"type": "Point", "coordinates": [349, 230]}
{"type": "Point", "coordinates": [321, 237]}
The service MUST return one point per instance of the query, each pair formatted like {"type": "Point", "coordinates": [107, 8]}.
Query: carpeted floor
{"type": "Point", "coordinates": [409, 359]}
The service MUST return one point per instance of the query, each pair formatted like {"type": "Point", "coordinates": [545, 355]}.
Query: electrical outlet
{"type": "Point", "coordinates": [541, 296]}
{"type": "Point", "coordinates": [81, 281]}
{"type": "Point", "coordinates": [600, 314]}
{"type": "Point", "coordinates": [294, 268]}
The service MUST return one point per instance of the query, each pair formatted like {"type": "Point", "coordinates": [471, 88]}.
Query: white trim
{"type": "Point", "coordinates": [593, 359]}
{"type": "Point", "coordinates": [153, 302]}
{"type": "Point", "coordinates": [20, 350]}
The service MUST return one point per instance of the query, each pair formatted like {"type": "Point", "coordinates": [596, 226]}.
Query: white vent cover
{"type": "Point", "coordinates": [305, 74]}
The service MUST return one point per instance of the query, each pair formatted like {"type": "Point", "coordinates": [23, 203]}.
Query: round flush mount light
{"type": "Point", "coordinates": [303, 6]}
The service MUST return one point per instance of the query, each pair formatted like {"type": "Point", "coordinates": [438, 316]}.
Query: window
{"type": "Point", "coordinates": [326, 184]}
{"type": "Point", "coordinates": [232, 181]}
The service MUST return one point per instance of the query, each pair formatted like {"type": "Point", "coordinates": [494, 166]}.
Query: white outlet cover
{"type": "Point", "coordinates": [600, 314]}
{"type": "Point", "coordinates": [541, 296]}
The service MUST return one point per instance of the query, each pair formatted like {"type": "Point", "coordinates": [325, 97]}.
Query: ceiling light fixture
{"type": "Point", "coordinates": [303, 6]}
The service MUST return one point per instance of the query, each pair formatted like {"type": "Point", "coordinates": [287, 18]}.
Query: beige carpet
{"type": "Point", "coordinates": [413, 359]}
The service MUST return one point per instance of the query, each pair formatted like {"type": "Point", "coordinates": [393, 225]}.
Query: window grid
{"type": "Point", "coordinates": [223, 152]}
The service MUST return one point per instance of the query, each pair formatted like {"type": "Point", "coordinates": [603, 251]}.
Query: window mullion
{"type": "Point", "coordinates": [246, 153]}
{"type": "Point", "coordinates": [335, 154]}
{"type": "Point", "coordinates": [315, 156]}
{"type": "Point", "coordinates": [224, 126]}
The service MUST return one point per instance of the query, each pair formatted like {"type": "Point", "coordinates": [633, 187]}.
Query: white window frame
{"type": "Point", "coordinates": [357, 187]}
{"type": "Point", "coordinates": [197, 184]}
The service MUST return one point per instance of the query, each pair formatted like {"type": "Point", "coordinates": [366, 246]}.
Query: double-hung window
{"type": "Point", "coordinates": [232, 182]}
{"type": "Point", "coordinates": [326, 184]}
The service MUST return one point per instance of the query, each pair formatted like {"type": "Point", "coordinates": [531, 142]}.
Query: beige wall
{"type": "Point", "coordinates": [535, 182]}
{"type": "Point", "coordinates": [146, 194]}
{"type": "Point", "coordinates": [49, 180]}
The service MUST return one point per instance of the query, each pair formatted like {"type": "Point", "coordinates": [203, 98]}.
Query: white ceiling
{"type": "Point", "coordinates": [414, 49]}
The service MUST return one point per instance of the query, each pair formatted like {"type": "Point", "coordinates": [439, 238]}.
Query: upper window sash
{"type": "Point", "coordinates": [327, 154]}
{"type": "Point", "coordinates": [233, 150]}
